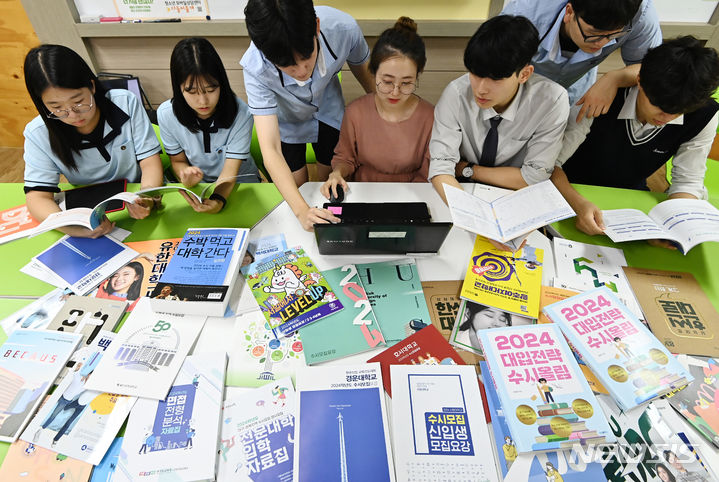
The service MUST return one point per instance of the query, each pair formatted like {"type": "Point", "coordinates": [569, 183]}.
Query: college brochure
{"type": "Point", "coordinates": [38, 314]}
{"type": "Point", "coordinates": [507, 217]}
{"type": "Point", "coordinates": [532, 466]}
{"type": "Point", "coordinates": [87, 316]}
{"type": "Point", "coordinates": [687, 222]}
{"type": "Point", "coordinates": [260, 249]}
{"type": "Point", "coordinates": [438, 425]}
{"type": "Point", "coordinates": [291, 291]}
{"type": "Point", "coordinates": [678, 312]}
{"type": "Point", "coordinates": [352, 330]}
{"type": "Point", "coordinates": [75, 421]}
{"type": "Point", "coordinates": [341, 408]}
{"type": "Point", "coordinates": [546, 400]}
{"type": "Point", "coordinates": [83, 262]}
{"type": "Point", "coordinates": [201, 273]}
{"type": "Point", "coordinates": [27, 462]}
{"type": "Point", "coordinates": [16, 223]}
{"type": "Point", "coordinates": [147, 353]}
{"type": "Point", "coordinates": [105, 470]}
{"type": "Point", "coordinates": [29, 362]}
{"type": "Point", "coordinates": [177, 437]}
{"type": "Point", "coordinates": [258, 432]}
{"type": "Point", "coordinates": [629, 361]}
{"type": "Point", "coordinates": [504, 280]}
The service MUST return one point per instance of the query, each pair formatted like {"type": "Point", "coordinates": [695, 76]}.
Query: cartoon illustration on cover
{"type": "Point", "coordinates": [699, 401]}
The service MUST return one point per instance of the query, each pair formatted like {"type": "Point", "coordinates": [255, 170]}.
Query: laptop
{"type": "Point", "coordinates": [381, 228]}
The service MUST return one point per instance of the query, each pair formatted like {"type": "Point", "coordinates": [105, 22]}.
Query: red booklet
{"type": "Point", "coordinates": [15, 223]}
{"type": "Point", "coordinates": [427, 347]}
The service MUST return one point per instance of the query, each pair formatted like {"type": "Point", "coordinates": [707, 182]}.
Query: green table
{"type": "Point", "coordinates": [702, 261]}
{"type": "Point", "coordinates": [246, 205]}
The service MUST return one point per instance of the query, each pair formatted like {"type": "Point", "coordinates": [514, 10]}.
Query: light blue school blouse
{"type": "Point", "coordinates": [579, 72]}
{"type": "Point", "coordinates": [128, 138]}
{"type": "Point", "coordinates": [233, 142]}
{"type": "Point", "coordinates": [298, 108]}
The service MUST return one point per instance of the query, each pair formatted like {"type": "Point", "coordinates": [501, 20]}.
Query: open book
{"type": "Point", "coordinates": [687, 222]}
{"type": "Point", "coordinates": [511, 217]}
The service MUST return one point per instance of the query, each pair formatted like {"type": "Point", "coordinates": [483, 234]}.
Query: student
{"type": "Point", "coordinates": [498, 124]}
{"type": "Point", "coordinates": [85, 133]}
{"type": "Point", "coordinates": [205, 128]}
{"type": "Point", "coordinates": [290, 73]}
{"type": "Point", "coordinates": [576, 35]}
{"type": "Point", "coordinates": [670, 113]}
{"type": "Point", "coordinates": [385, 134]}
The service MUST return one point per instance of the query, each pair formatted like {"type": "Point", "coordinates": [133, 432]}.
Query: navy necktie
{"type": "Point", "coordinates": [489, 149]}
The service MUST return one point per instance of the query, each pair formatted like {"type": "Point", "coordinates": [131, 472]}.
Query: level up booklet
{"type": "Point", "coordinates": [176, 438]}
{"type": "Point", "coordinates": [27, 462]}
{"type": "Point", "coordinates": [30, 360]}
{"type": "Point", "coordinates": [75, 421]}
{"type": "Point", "coordinates": [341, 425]}
{"type": "Point", "coordinates": [502, 279]}
{"type": "Point", "coordinates": [291, 291]}
{"type": "Point", "coordinates": [38, 314]}
{"type": "Point", "coordinates": [438, 424]}
{"type": "Point", "coordinates": [546, 400]}
{"type": "Point", "coordinates": [532, 466]}
{"type": "Point", "coordinates": [352, 330]}
{"type": "Point", "coordinates": [147, 353]}
{"type": "Point", "coordinates": [258, 431]}
{"type": "Point", "coordinates": [395, 293]}
{"type": "Point", "coordinates": [629, 361]}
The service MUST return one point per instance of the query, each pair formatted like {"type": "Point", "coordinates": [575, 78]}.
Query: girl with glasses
{"type": "Point", "coordinates": [205, 128]}
{"type": "Point", "coordinates": [385, 135]}
{"type": "Point", "coordinates": [85, 133]}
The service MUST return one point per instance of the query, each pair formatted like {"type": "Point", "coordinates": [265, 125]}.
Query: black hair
{"type": "Point", "coordinates": [617, 338]}
{"type": "Point", "coordinates": [192, 59]}
{"type": "Point", "coordinates": [679, 75]}
{"type": "Point", "coordinates": [401, 39]}
{"type": "Point", "coordinates": [666, 454]}
{"type": "Point", "coordinates": [473, 308]}
{"type": "Point", "coordinates": [666, 470]}
{"type": "Point", "coordinates": [49, 66]}
{"type": "Point", "coordinates": [281, 28]}
{"type": "Point", "coordinates": [606, 14]}
{"type": "Point", "coordinates": [133, 292]}
{"type": "Point", "coordinates": [540, 380]}
{"type": "Point", "coordinates": [501, 46]}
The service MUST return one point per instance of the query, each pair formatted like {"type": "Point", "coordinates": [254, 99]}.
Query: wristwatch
{"type": "Point", "coordinates": [468, 172]}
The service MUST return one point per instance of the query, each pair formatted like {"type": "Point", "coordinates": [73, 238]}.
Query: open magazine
{"type": "Point", "coordinates": [687, 222]}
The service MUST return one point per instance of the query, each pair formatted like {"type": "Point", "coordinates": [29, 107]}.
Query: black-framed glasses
{"type": "Point", "coordinates": [77, 109]}
{"type": "Point", "coordinates": [387, 87]}
{"type": "Point", "coordinates": [598, 38]}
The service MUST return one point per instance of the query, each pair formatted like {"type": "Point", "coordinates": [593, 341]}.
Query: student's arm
{"type": "Point", "coordinates": [446, 140]}
{"type": "Point", "coordinates": [589, 216]}
{"type": "Point", "coordinates": [212, 206]}
{"type": "Point", "coordinates": [689, 164]}
{"type": "Point", "coordinates": [268, 134]}
{"type": "Point", "coordinates": [188, 175]}
{"type": "Point", "coordinates": [152, 176]}
{"type": "Point", "coordinates": [147, 150]}
{"type": "Point", "coordinates": [507, 177]}
{"type": "Point", "coordinates": [363, 76]}
{"type": "Point", "coordinates": [597, 100]}
{"type": "Point", "coordinates": [358, 57]}
{"type": "Point", "coordinates": [41, 204]}
{"type": "Point", "coordinates": [344, 162]}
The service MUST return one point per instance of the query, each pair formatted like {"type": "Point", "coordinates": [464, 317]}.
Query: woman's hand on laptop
{"type": "Point", "coordinates": [311, 216]}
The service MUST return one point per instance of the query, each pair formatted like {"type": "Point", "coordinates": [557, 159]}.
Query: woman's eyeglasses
{"type": "Point", "coordinates": [387, 87]}
{"type": "Point", "coordinates": [77, 109]}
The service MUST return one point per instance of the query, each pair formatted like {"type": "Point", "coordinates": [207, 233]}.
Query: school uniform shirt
{"type": "Point", "coordinates": [300, 105]}
{"type": "Point", "coordinates": [210, 145]}
{"type": "Point", "coordinates": [127, 138]}
{"type": "Point", "coordinates": [530, 133]}
{"type": "Point", "coordinates": [636, 150]}
{"type": "Point", "coordinates": [577, 71]}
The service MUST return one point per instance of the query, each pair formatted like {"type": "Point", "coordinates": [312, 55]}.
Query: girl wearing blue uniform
{"type": "Point", "coordinates": [205, 128]}
{"type": "Point", "coordinates": [85, 133]}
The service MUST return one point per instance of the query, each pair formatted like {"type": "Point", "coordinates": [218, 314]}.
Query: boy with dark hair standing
{"type": "Point", "coordinates": [670, 113]}
{"type": "Point", "coordinates": [576, 35]}
{"type": "Point", "coordinates": [498, 124]}
{"type": "Point", "coordinates": [290, 72]}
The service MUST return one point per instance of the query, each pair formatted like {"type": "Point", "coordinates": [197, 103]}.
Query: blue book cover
{"type": "Point", "coordinates": [546, 399]}
{"type": "Point", "coordinates": [626, 357]}
{"type": "Point", "coordinates": [536, 466]}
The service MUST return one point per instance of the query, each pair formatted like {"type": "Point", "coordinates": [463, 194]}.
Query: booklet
{"type": "Point", "coordinates": [508, 217]}
{"type": "Point", "coordinates": [260, 249]}
{"type": "Point", "coordinates": [438, 425]}
{"type": "Point", "coordinates": [76, 421]}
{"type": "Point", "coordinates": [16, 223]}
{"type": "Point", "coordinates": [341, 409]}
{"type": "Point", "coordinates": [30, 361]}
{"type": "Point", "coordinates": [38, 314]}
{"type": "Point", "coordinates": [27, 462]}
{"type": "Point", "coordinates": [176, 438]}
{"type": "Point", "coordinates": [629, 361]}
{"type": "Point", "coordinates": [87, 316]}
{"type": "Point", "coordinates": [105, 470]}
{"type": "Point", "coordinates": [147, 353]}
{"type": "Point", "coordinates": [82, 263]}
{"type": "Point", "coordinates": [678, 312]}
{"type": "Point", "coordinates": [687, 222]}
{"type": "Point", "coordinates": [258, 432]}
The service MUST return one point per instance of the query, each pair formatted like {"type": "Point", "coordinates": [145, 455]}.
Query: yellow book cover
{"type": "Point", "coordinates": [505, 280]}
{"type": "Point", "coordinates": [549, 295]}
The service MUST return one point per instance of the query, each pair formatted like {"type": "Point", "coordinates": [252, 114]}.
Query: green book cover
{"type": "Point", "coordinates": [353, 330]}
{"type": "Point", "coordinates": [395, 292]}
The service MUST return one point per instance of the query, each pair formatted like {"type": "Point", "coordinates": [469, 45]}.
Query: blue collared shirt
{"type": "Point", "coordinates": [578, 72]}
{"type": "Point", "coordinates": [128, 138]}
{"type": "Point", "coordinates": [232, 142]}
{"type": "Point", "coordinates": [300, 107]}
